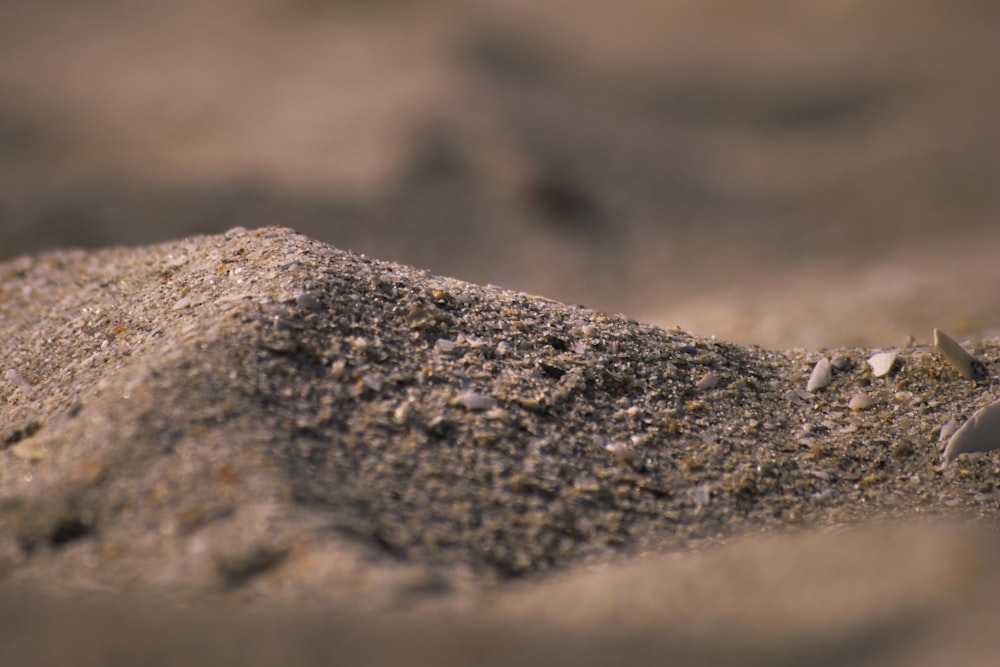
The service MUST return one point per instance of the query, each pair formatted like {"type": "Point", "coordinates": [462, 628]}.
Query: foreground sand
{"type": "Point", "coordinates": [255, 444]}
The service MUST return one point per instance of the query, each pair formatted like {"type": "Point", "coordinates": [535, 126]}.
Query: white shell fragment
{"type": "Point", "coordinates": [882, 363]}
{"type": "Point", "coordinates": [821, 377]}
{"type": "Point", "coordinates": [980, 434]}
{"type": "Point", "coordinates": [861, 401]}
{"type": "Point", "coordinates": [708, 381]}
{"type": "Point", "coordinates": [947, 430]}
{"type": "Point", "coordinates": [476, 402]}
{"type": "Point", "coordinates": [955, 354]}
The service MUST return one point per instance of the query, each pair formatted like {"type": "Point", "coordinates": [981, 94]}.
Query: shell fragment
{"type": "Point", "coordinates": [980, 434]}
{"type": "Point", "coordinates": [861, 401]}
{"type": "Point", "coordinates": [708, 381]}
{"type": "Point", "coordinates": [475, 402]}
{"type": "Point", "coordinates": [822, 375]}
{"type": "Point", "coordinates": [956, 355]}
{"type": "Point", "coordinates": [882, 363]}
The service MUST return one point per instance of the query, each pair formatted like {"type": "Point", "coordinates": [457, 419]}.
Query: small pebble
{"type": "Point", "coordinates": [955, 354]}
{"type": "Point", "coordinates": [882, 363]}
{"type": "Point", "coordinates": [308, 301]}
{"type": "Point", "coordinates": [980, 434]}
{"type": "Point", "coordinates": [861, 401]}
{"type": "Point", "coordinates": [821, 376]}
{"type": "Point", "coordinates": [701, 495]}
{"type": "Point", "coordinates": [476, 402]}
{"type": "Point", "coordinates": [841, 363]}
{"type": "Point", "coordinates": [623, 454]}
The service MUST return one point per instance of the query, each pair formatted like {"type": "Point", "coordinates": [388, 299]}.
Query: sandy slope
{"type": "Point", "coordinates": [261, 420]}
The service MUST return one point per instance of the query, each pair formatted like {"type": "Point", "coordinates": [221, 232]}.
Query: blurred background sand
{"type": "Point", "coordinates": [780, 173]}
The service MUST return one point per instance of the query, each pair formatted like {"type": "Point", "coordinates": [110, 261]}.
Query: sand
{"type": "Point", "coordinates": [792, 176]}
{"type": "Point", "coordinates": [259, 448]}
{"type": "Point", "coordinates": [257, 428]}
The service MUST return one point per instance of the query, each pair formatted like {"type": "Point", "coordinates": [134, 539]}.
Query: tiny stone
{"type": "Point", "coordinates": [444, 344]}
{"type": "Point", "coordinates": [841, 363]}
{"type": "Point", "coordinates": [882, 363]}
{"type": "Point", "coordinates": [475, 402]}
{"type": "Point", "coordinates": [821, 376]}
{"type": "Point", "coordinates": [623, 454]}
{"type": "Point", "coordinates": [402, 412]}
{"type": "Point", "coordinates": [701, 495]}
{"type": "Point", "coordinates": [308, 301]}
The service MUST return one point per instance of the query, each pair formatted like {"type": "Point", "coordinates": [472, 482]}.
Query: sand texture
{"type": "Point", "coordinates": [255, 444]}
{"type": "Point", "coordinates": [260, 448]}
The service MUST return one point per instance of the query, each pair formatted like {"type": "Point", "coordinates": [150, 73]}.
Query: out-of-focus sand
{"type": "Point", "coordinates": [784, 175]}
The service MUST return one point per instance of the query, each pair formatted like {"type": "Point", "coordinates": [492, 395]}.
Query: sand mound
{"type": "Point", "coordinates": [259, 415]}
